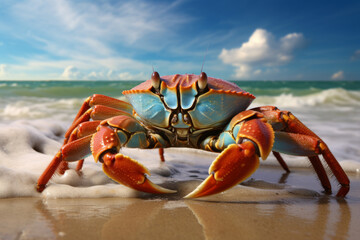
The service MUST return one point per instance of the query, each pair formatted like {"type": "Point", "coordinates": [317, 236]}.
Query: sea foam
{"type": "Point", "coordinates": [27, 147]}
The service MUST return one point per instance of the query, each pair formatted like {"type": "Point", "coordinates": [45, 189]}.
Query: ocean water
{"type": "Point", "coordinates": [35, 114]}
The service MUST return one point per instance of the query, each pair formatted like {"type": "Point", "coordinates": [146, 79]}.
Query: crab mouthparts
{"type": "Point", "coordinates": [182, 133]}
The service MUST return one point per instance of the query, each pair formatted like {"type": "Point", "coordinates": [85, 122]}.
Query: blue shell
{"type": "Point", "coordinates": [170, 97]}
{"type": "Point", "coordinates": [216, 108]}
{"type": "Point", "coordinates": [150, 108]}
{"type": "Point", "coordinates": [212, 109]}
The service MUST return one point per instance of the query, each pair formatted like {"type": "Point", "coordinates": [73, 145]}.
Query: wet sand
{"type": "Point", "coordinates": [301, 211]}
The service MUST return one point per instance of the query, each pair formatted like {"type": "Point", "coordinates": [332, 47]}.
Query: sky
{"type": "Point", "coordinates": [232, 40]}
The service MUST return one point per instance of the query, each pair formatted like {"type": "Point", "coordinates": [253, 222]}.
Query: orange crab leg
{"type": "Point", "coordinates": [77, 149]}
{"type": "Point", "coordinates": [98, 112]}
{"type": "Point", "coordinates": [82, 130]}
{"type": "Point", "coordinates": [303, 145]}
{"type": "Point", "coordinates": [161, 154]}
{"type": "Point", "coordinates": [98, 99]}
{"type": "Point", "coordinates": [72, 151]}
{"type": "Point", "coordinates": [320, 171]}
{"type": "Point", "coordinates": [110, 107]}
{"type": "Point", "coordinates": [287, 122]}
{"type": "Point", "coordinates": [49, 172]}
{"type": "Point", "coordinates": [84, 113]}
{"type": "Point", "coordinates": [337, 170]}
{"type": "Point", "coordinates": [281, 161]}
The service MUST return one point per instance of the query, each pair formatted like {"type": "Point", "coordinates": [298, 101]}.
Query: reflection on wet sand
{"type": "Point", "coordinates": [116, 218]}
{"type": "Point", "coordinates": [273, 208]}
{"type": "Point", "coordinates": [302, 220]}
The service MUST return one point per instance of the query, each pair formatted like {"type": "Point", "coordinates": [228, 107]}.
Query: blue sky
{"type": "Point", "coordinates": [242, 40]}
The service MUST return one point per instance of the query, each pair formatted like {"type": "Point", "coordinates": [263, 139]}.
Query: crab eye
{"type": "Point", "coordinates": [155, 80]}
{"type": "Point", "coordinates": [202, 82]}
{"type": "Point", "coordinates": [187, 118]}
{"type": "Point", "coordinates": [174, 119]}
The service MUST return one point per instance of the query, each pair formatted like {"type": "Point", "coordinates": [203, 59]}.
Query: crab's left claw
{"type": "Point", "coordinates": [235, 164]}
{"type": "Point", "coordinates": [130, 173]}
{"type": "Point", "coordinates": [238, 161]}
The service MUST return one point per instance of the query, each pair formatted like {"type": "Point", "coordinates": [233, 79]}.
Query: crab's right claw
{"type": "Point", "coordinates": [235, 164]}
{"type": "Point", "coordinates": [130, 173]}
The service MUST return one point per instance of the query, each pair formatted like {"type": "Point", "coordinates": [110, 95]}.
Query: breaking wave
{"type": "Point", "coordinates": [330, 97]}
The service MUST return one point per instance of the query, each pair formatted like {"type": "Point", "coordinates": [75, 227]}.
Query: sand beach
{"type": "Point", "coordinates": [260, 210]}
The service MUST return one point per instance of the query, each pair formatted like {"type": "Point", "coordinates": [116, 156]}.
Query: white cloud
{"type": "Point", "coordinates": [79, 69]}
{"type": "Point", "coordinates": [257, 72]}
{"type": "Point", "coordinates": [356, 55]}
{"type": "Point", "coordinates": [73, 73]}
{"type": "Point", "coordinates": [338, 75]}
{"type": "Point", "coordinates": [70, 73]}
{"type": "Point", "coordinates": [114, 75]}
{"type": "Point", "coordinates": [95, 76]}
{"type": "Point", "coordinates": [129, 76]}
{"type": "Point", "coordinates": [261, 50]}
{"type": "Point", "coordinates": [2, 70]}
{"type": "Point", "coordinates": [92, 28]}
{"type": "Point", "coordinates": [96, 37]}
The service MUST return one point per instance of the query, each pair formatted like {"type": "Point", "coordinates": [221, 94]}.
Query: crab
{"type": "Point", "coordinates": [194, 111]}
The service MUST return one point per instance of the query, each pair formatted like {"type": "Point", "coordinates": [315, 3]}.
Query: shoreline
{"type": "Point", "coordinates": [300, 211]}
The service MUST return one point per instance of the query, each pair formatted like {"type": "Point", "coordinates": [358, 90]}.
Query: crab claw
{"type": "Point", "coordinates": [130, 173]}
{"type": "Point", "coordinates": [235, 164]}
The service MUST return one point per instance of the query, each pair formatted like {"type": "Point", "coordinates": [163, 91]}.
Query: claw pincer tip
{"type": "Point", "coordinates": [235, 164]}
